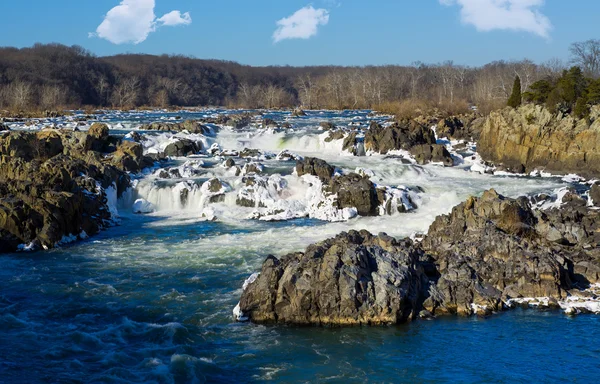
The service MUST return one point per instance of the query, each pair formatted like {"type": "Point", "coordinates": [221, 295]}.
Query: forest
{"type": "Point", "coordinates": [52, 76]}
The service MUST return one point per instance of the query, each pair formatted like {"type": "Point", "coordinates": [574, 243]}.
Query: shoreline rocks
{"type": "Point", "coordinates": [57, 184]}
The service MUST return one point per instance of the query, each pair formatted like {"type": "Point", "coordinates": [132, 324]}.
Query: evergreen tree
{"type": "Point", "coordinates": [582, 109]}
{"type": "Point", "coordinates": [515, 98]}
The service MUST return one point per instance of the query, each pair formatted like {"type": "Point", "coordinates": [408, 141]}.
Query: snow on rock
{"type": "Point", "coordinates": [142, 206]}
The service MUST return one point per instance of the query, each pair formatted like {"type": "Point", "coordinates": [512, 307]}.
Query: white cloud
{"type": "Point", "coordinates": [174, 18]}
{"type": "Point", "coordinates": [133, 20]}
{"type": "Point", "coordinates": [516, 15]}
{"type": "Point", "coordinates": [303, 24]}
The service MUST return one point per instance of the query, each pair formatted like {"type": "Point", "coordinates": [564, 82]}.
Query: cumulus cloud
{"type": "Point", "coordinates": [303, 24]}
{"type": "Point", "coordinates": [516, 15]}
{"type": "Point", "coordinates": [133, 20]}
{"type": "Point", "coordinates": [174, 18]}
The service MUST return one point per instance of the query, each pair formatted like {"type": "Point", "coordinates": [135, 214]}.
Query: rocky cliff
{"type": "Point", "coordinates": [531, 137]}
{"type": "Point", "coordinates": [55, 185]}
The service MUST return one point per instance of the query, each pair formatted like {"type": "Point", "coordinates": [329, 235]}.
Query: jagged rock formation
{"type": "Point", "coordinates": [403, 135]}
{"type": "Point", "coordinates": [435, 153]}
{"type": "Point", "coordinates": [355, 278]}
{"type": "Point", "coordinates": [531, 137]}
{"type": "Point", "coordinates": [54, 183]}
{"type": "Point", "coordinates": [487, 251]}
{"type": "Point", "coordinates": [464, 127]}
{"type": "Point", "coordinates": [192, 126]}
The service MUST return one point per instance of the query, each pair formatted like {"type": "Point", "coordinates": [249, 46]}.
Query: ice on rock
{"type": "Point", "coordinates": [142, 206]}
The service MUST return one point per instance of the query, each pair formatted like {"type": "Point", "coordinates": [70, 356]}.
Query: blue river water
{"type": "Point", "coordinates": [151, 300]}
{"type": "Point", "coordinates": [140, 306]}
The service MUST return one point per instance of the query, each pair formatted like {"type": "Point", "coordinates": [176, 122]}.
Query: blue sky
{"type": "Point", "coordinates": [343, 32]}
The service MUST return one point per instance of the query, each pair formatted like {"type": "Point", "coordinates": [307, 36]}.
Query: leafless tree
{"type": "Point", "coordinates": [586, 54]}
{"type": "Point", "coordinates": [22, 94]}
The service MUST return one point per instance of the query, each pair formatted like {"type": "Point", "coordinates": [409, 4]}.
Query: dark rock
{"type": "Point", "coordinates": [327, 126]}
{"type": "Point", "coordinates": [49, 186]}
{"type": "Point", "coordinates": [247, 152]}
{"type": "Point", "coordinates": [404, 135]}
{"type": "Point", "coordinates": [229, 163]}
{"type": "Point", "coordinates": [315, 167]}
{"type": "Point", "coordinates": [269, 123]}
{"type": "Point", "coordinates": [337, 134]}
{"type": "Point", "coordinates": [487, 250]}
{"type": "Point", "coordinates": [192, 126]}
{"type": "Point", "coordinates": [353, 279]}
{"type": "Point", "coordinates": [355, 191]}
{"type": "Point", "coordinates": [298, 112]}
{"type": "Point", "coordinates": [435, 153]}
{"type": "Point", "coordinates": [182, 147]}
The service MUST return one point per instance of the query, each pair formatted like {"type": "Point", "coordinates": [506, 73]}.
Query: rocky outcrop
{"type": "Point", "coordinates": [54, 185]}
{"type": "Point", "coordinates": [269, 123]}
{"type": "Point", "coordinates": [298, 112]}
{"type": "Point", "coordinates": [129, 156]}
{"type": "Point", "coordinates": [403, 135]}
{"type": "Point", "coordinates": [435, 153]}
{"type": "Point", "coordinates": [464, 127]}
{"type": "Point", "coordinates": [531, 137]}
{"type": "Point", "coordinates": [192, 126]}
{"type": "Point", "coordinates": [355, 191]}
{"type": "Point", "coordinates": [486, 253]}
{"type": "Point", "coordinates": [353, 279]}
{"type": "Point", "coordinates": [315, 167]}
{"type": "Point", "coordinates": [237, 121]}
{"type": "Point", "coordinates": [327, 126]}
{"type": "Point", "coordinates": [182, 147]}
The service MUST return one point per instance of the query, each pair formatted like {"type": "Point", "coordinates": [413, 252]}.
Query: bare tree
{"type": "Point", "coordinates": [586, 54]}
{"type": "Point", "coordinates": [52, 96]}
{"type": "Point", "coordinates": [22, 93]}
{"type": "Point", "coordinates": [126, 93]}
{"type": "Point", "coordinates": [103, 89]}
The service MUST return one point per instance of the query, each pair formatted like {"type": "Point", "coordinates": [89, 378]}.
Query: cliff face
{"type": "Point", "coordinates": [531, 137]}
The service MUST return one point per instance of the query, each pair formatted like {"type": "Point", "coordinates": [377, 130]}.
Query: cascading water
{"type": "Point", "coordinates": [151, 300]}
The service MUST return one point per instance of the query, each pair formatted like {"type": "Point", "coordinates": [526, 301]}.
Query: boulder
{"type": "Point", "coordinates": [315, 167]}
{"type": "Point", "coordinates": [191, 126]}
{"type": "Point", "coordinates": [129, 157]}
{"type": "Point", "coordinates": [403, 135]}
{"type": "Point", "coordinates": [464, 127]}
{"type": "Point", "coordinates": [99, 131]}
{"type": "Point", "coordinates": [269, 123]}
{"type": "Point", "coordinates": [298, 112]}
{"type": "Point", "coordinates": [435, 153]}
{"type": "Point", "coordinates": [182, 147]}
{"type": "Point", "coordinates": [355, 191]}
{"type": "Point", "coordinates": [327, 126]}
{"type": "Point", "coordinates": [354, 279]}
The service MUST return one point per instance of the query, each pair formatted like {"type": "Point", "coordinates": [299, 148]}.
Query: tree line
{"type": "Point", "coordinates": [53, 76]}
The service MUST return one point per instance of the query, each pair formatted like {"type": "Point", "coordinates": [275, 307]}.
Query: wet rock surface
{"type": "Point", "coordinates": [398, 136]}
{"type": "Point", "coordinates": [191, 126]}
{"type": "Point", "coordinates": [55, 184]}
{"type": "Point", "coordinates": [489, 251]}
{"type": "Point", "coordinates": [355, 278]}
